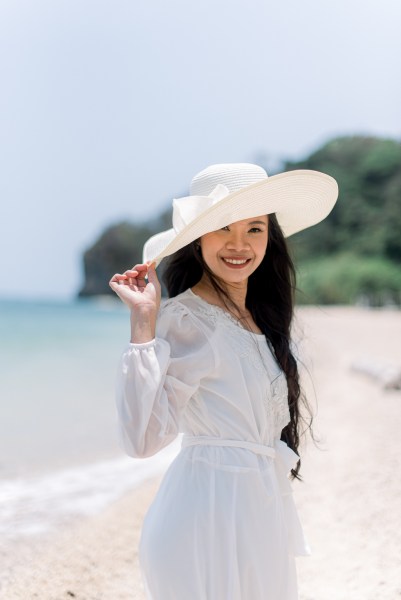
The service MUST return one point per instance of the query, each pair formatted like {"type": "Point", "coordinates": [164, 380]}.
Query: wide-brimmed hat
{"type": "Point", "coordinates": [226, 193]}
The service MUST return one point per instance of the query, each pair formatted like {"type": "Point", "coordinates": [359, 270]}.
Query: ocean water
{"type": "Point", "coordinates": [59, 450]}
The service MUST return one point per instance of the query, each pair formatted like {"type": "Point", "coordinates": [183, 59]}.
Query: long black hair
{"type": "Point", "coordinates": [269, 299]}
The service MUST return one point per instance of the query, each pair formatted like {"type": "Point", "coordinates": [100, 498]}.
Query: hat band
{"type": "Point", "coordinates": [185, 210]}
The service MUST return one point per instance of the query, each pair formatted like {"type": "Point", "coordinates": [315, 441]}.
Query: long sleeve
{"type": "Point", "coordinates": [157, 379]}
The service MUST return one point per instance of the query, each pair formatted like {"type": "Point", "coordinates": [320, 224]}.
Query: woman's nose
{"type": "Point", "coordinates": [237, 241]}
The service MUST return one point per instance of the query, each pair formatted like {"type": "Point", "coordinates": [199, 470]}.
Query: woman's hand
{"type": "Point", "coordinates": [141, 296]}
{"type": "Point", "coordinates": [133, 289]}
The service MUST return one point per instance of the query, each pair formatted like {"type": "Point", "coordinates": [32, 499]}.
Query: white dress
{"type": "Point", "coordinates": [223, 524]}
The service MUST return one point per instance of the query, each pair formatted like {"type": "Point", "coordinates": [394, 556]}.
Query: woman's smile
{"type": "Point", "coordinates": [236, 263]}
{"type": "Point", "coordinates": [238, 247]}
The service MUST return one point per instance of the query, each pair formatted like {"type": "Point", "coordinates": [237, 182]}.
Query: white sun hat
{"type": "Point", "coordinates": [226, 193]}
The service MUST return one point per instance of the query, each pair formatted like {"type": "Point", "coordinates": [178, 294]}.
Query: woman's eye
{"type": "Point", "coordinates": [252, 230]}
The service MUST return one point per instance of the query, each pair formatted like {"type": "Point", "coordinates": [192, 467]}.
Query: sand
{"type": "Point", "coordinates": [349, 501]}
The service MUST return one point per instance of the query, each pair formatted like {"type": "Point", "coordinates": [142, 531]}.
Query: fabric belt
{"type": "Point", "coordinates": [285, 460]}
{"type": "Point", "coordinates": [204, 440]}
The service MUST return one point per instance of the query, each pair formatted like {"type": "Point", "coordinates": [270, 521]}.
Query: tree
{"type": "Point", "coordinates": [354, 253]}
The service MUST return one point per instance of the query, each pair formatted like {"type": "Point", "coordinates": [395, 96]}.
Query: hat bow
{"type": "Point", "coordinates": [185, 210]}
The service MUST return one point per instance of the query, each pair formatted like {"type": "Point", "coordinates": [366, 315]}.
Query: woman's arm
{"type": "Point", "coordinates": [142, 298]}
{"type": "Point", "coordinates": [159, 372]}
{"type": "Point", "coordinates": [157, 379]}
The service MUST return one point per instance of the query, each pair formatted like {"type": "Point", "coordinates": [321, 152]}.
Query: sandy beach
{"type": "Point", "coordinates": [349, 500]}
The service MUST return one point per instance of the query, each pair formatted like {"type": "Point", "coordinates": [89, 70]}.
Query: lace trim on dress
{"type": "Point", "coordinates": [281, 413]}
{"type": "Point", "coordinates": [247, 347]}
{"type": "Point", "coordinates": [214, 312]}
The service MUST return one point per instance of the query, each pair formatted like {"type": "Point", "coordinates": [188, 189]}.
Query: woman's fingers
{"type": "Point", "coordinates": [154, 282]}
{"type": "Point", "coordinates": [140, 267]}
{"type": "Point", "coordinates": [138, 274]}
{"type": "Point", "coordinates": [118, 277]}
{"type": "Point", "coordinates": [138, 277]}
{"type": "Point", "coordinates": [114, 285]}
{"type": "Point", "coordinates": [138, 286]}
{"type": "Point", "coordinates": [141, 273]}
{"type": "Point", "coordinates": [139, 270]}
{"type": "Point", "coordinates": [123, 277]}
{"type": "Point", "coordinates": [152, 276]}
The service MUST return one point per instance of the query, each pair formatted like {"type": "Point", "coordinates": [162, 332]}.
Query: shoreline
{"type": "Point", "coordinates": [348, 501]}
{"type": "Point", "coordinates": [93, 557]}
{"type": "Point", "coordinates": [37, 505]}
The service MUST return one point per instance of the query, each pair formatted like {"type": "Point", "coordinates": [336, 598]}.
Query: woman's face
{"type": "Point", "coordinates": [234, 252]}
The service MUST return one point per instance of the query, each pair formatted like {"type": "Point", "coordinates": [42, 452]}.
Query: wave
{"type": "Point", "coordinates": [32, 506]}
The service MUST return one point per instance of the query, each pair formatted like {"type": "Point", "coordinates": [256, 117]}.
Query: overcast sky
{"type": "Point", "coordinates": [108, 108]}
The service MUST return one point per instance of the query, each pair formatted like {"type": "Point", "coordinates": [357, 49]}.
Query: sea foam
{"type": "Point", "coordinates": [31, 506]}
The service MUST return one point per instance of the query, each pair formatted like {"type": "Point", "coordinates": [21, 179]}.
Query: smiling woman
{"type": "Point", "coordinates": [232, 254]}
{"type": "Point", "coordinates": [240, 245]}
{"type": "Point", "coordinates": [215, 362]}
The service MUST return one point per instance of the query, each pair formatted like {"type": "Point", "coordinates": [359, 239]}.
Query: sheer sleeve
{"type": "Point", "coordinates": [156, 380]}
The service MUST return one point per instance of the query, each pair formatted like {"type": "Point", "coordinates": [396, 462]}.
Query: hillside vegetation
{"type": "Point", "coordinates": [354, 255]}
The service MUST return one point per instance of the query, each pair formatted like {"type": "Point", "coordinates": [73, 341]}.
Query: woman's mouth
{"type": "Point", "coordinates": [236, 263]}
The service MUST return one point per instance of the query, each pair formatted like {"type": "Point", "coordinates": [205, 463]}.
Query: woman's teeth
{"type": "Point", "coordinates": [232, 261]}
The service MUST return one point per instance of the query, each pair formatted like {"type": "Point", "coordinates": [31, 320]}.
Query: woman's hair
{"type": "Point", "coordinates": [269, 299]}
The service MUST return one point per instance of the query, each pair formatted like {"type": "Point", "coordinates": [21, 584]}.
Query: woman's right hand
{"type": "Point", "coordinates": [133, 289]}
{"type": "Point", "coordinates": [141, 296]}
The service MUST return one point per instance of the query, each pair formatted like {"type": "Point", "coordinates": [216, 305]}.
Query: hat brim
{"type": "Point", "coordinates": [299, 199]}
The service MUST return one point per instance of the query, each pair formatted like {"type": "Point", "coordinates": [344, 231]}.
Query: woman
{"type": "Point", "coordinates": [216, 363]}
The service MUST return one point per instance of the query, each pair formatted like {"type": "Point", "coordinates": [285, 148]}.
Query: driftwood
{"type": "Point", "coordinates": [386, 374]}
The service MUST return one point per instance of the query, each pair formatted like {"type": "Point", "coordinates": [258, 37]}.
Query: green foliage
{"type": "Point", "coordinates": [367, 217]}
{"type": "Point", "coordinates": [354, 253]}
{"type": "Point", "coordinates": [349, 278]}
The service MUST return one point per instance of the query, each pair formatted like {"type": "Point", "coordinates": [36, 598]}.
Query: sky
{"type": "Point", "coordinates": [109, 108]}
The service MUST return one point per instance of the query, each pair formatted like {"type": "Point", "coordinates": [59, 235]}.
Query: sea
{"type": "Point", "coordinates": [60, 456]}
